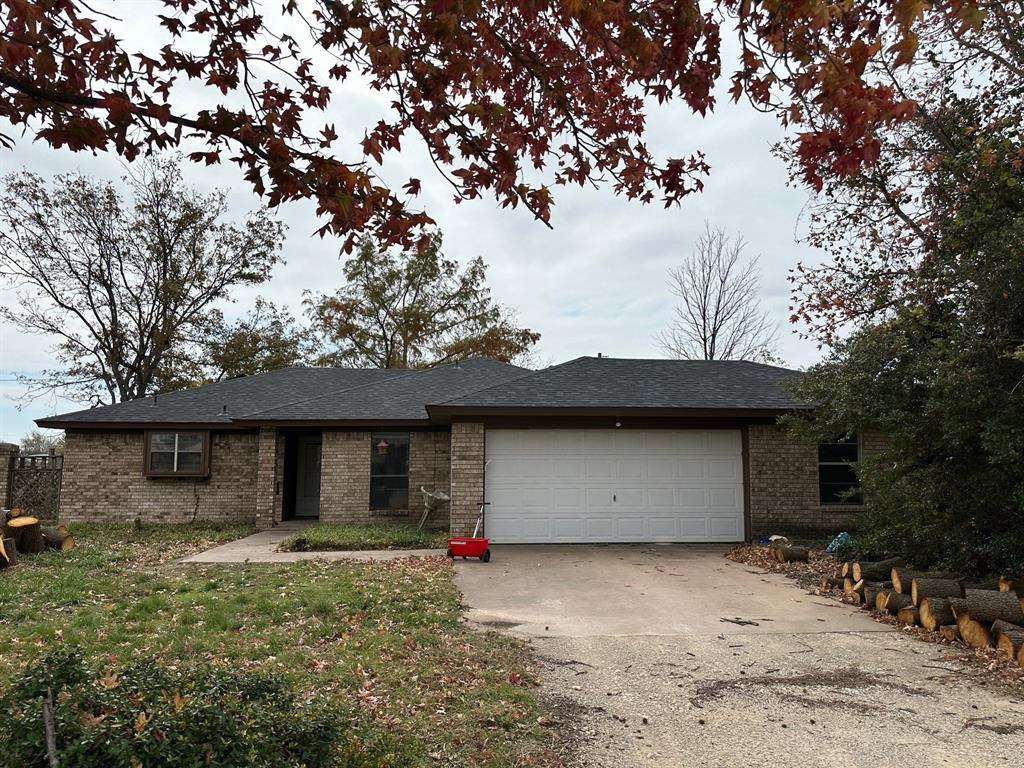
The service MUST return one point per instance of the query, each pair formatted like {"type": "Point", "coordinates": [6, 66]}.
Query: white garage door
{"type": "Point", "coordinates": [608, 485]}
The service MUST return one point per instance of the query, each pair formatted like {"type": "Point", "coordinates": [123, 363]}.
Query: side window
{"type": "Point", "coordinates": [837, 482]}
{"type": "Point", "coordinates": [389, 472]}
{"type": "Point", "coordinates": [177, 454]}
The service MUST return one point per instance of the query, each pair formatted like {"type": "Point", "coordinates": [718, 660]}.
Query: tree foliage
{"type": "Point", "coordinates": [720, 315]}
{"type": "Point", "coordinates": [37, 442]}
{"type": "Point", "coordinates": [936, 359]}
{"type": "Point", "coordinates": [492, 89]}
{"type": "Point", "coordinates": [403, 309]}
{"type": "Point", "coordinates": [128, 288]}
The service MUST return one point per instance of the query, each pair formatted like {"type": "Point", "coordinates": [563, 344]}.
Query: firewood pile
{"type": "Point", "coordinates": [978, 613]}
{"type": "Point", "coordinates": [25, 534]}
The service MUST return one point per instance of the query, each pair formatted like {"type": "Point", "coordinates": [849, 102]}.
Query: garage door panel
{"type": "Point", "coordinates": [614, 485]}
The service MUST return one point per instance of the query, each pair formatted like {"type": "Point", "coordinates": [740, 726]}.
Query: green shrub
{"type": "Point", "coordinates": [146, 714]}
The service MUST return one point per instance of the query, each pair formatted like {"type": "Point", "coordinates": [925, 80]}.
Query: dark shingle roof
{"type": "Point", "coordinates": [401, 398]}
{"type": "Point", "coordinates": [287, 391]}
{"type": "Point", "coordinates": [604, 382]}
{"type": "Point", "coordinates": [346, 394]}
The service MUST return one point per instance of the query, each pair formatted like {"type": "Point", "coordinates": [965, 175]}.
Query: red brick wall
{"type": "Point", "coordinates": [104, 481]}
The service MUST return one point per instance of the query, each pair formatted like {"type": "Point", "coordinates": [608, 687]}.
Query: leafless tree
{"type": "Point", "coordinates": [719, 316]}
{"type": "Point", "coordinates": [126, 290]}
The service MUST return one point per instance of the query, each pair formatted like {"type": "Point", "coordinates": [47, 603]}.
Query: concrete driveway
{"type": "Point", "coordinates": [645, 672]}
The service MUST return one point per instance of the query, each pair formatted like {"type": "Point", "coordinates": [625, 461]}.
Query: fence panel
{"type": "Point", "coordinates": [35, 484]}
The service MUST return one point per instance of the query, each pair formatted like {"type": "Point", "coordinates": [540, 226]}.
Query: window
{"type": "Point", "coordinates": [837, 482]}
{"type": "Point", "coordinates": [177, 454]}
{"type": "Point", "coordinates": [389, 472]}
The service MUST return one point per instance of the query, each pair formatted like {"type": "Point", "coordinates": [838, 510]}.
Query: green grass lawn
{"type": "Point", "coordinates": [321, 537]}
{"type": "Point", "coordinates": [381, 640]}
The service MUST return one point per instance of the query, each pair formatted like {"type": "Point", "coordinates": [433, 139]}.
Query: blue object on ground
{"type": "Point", "coordinates": [839, 541]}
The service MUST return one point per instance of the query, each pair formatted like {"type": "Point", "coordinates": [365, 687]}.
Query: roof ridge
{"type": "Point", "coordinates": [409, 372]}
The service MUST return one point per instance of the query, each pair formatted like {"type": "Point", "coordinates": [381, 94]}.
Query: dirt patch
{"type": "Point", "coordinates": [844, 679]}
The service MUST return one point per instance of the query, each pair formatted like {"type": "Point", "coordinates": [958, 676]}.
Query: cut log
{"type": "Point", "coordinates": [881, 598]}
{"type": "Point", "coordinates": [792, 554]}
{"type": "Point", "coordinates": [908, 616]}
{"type": "Point", "coordinates": [847, 569]}
{"type": "Point", "coordinates": [926, 587]}
{"type": "Point", "coordinates": [27, 534]}
{"type": "Point", "coordinates": [896, 602]}
{"type": "Point", "coordinates": [988, 585]}
{"type": "Point", "coordinates": [8, 553]}
{"type": "Point", "coordinates": [902, 578]}
{"type": "Point", "coordinates": [848, 583]}
{"type": "Point", "coordinates": [871, 595]}
{"type": "Point", "coordinates": [54, 538]}
{"type": "Point", "coordinates": [987, 605]}
{"type": "Point", "coordinates": [1009, 637]}
{"type": "Point", "coordinates": [855, 598]}
{"type": "Point", "coordinates": [935, 613]}
{"type": "Point", "coordinates": [1020, 656]}
{"type": "Point", "coordinates": [950, 632]}
{"type": "Point", "coordinates": [1006, 584]}
{"type": "Point", "coordinates": [972, 632]}
{"type": "Point", "coordinates": [880, 570]}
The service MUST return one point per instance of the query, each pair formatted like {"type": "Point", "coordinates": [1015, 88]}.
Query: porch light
{"type": "Point", "coordinates": [382, 446]}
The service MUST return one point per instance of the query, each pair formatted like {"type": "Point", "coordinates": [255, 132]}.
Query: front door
{"type": "Point", "coordinates": [307, 482]}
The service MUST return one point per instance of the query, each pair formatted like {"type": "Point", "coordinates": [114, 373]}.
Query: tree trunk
{"type": "Point", "coordinates": [908, 616]}
{"type": "Point", "coordinates": [792, 554]}
{"type": "Point", "coordinates": [871, 593]}
{"type": "Point", "coordinates": [986, 606]}
{"type": "Point", "coordinates": [55, 538]}
{"type": "Point", "coordinates": [902, 578]}
{"type": "Point", "coordinates": [927, 587]}
{"type": "Point", "coordinates": [27, 534]}
{"type": "Point", "coordinates": [8, 553]}
{"type": "Point", "coordinates": [950, 632]}
{"type": "Point", "coordinates": [896, 602]}
{"type": "Point", "coordinates": [876, 571]}
{"type": "Point", "coordinates": [1009, 637]}
{"type": "Point", "coordinates": [935, 613]}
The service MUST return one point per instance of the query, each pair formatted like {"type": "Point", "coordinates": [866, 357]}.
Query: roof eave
{"type": "Point", "coordinates": [441, 412]}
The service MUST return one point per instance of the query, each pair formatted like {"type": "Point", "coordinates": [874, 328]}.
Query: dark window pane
{"type": "Point", "coordinates": [838, 452]}
{"type": "Point", "coordinates": [837, 473]}
{"type": "Point", "coordinates": [161, 441]}
{"type": "Point", "coordinates": [161, 461]}
{"type": "Point", "coordinates": [190, 462]}
{"type": "Point", "coordinates": [389, 493]}
{"type": "Point", "coordinates": [840, 493]}
{"type": "Point", "coordinates": [389, 453]}
{"type": "Point", "coordinates": [190, 443]}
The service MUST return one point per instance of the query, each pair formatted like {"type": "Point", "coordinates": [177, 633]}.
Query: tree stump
{"type": "Point", "coordinates": [876, 571]}
{"type": "Point", "coordinates": [27, 534]}
{"type": "Point", "coordinates": [8, 553]}
{"type": "Point", "coordinates": [926, 587]}
{"type": "Point", "coordinates": [935, 613]}
{"type": "Point", "coordinates": [987, 605]}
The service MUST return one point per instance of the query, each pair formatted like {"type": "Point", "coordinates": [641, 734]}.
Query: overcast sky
{"type": "Point", "coordinates": [595, 283]}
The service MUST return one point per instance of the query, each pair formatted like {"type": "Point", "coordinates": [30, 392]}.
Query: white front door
{"type": "Point", "coordinates": [614, 485]}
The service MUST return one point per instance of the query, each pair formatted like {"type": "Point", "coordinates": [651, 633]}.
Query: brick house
{"type": "Point", "coordinates": [592, 450]}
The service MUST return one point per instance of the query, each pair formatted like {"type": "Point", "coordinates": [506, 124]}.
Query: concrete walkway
{"type": "Point", "coordinates": [262, 548]}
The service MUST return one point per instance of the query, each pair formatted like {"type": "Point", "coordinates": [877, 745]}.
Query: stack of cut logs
{"type": "Point", "coordinates": [25, 534]}
{"type": "Point", "coordinates": [980, 613]}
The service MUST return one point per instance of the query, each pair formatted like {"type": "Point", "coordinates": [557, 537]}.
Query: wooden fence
{"type": "Point", "coordinates": [34, 484]}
